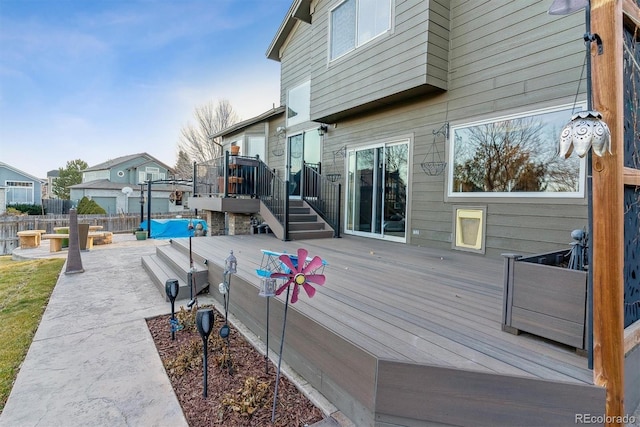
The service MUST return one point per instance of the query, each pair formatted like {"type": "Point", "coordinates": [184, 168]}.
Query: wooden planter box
{"type": "Point", "coordinates": [544, 299]}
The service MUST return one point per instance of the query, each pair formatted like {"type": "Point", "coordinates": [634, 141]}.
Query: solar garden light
{"type": "Point", "coordinates": [171, 287]}
{"type": "Point", "coordinates": [267, 290]}
{"type": "Point", "coordinates": [204, 324]}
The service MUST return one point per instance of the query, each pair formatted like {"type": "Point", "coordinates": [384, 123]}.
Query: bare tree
{"type": "Point", "coordinates": [196, 140]}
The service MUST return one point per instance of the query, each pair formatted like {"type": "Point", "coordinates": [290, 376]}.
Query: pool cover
{"type": "Point", "coordinates": [172, 228]}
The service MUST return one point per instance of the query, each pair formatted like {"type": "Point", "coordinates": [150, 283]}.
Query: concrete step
{"type": "Point", "coordinates": [182, 245]}
{"type": "Point", "coordinates": [178, 261]}
{"type": "Point", "coordinates": [159, 272]}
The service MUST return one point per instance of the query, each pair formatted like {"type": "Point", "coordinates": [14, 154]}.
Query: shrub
{"type": "Point", "coordinates": [28, 209]}
{"type": "Point", "coordinates": [89, 207]}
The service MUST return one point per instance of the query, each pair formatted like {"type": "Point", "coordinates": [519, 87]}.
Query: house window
{"type": "Point", "coordinates": [255, 147]}
{"type": "Point", "coordinates": [298, 104]}
{"type": "Point", "coordinates": [150, 174]}
{"type": "Point", "coordinates": [355, 22]}
{"type": "Point", "coordinates": [19, 192]}
{"type": "Point", "coordinates": [513, 156]}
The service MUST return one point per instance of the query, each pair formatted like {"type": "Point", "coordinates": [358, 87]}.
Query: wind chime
{"type": "Point", "coordinates": [278, 149]}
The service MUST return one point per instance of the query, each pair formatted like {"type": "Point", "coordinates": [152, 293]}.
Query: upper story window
{"type": "Point", "coordinates": [150, 173]}
{"type": "Point", "coordinates": [514, 156]}
{"type": "Point", "coordinates": [298, 104]}
{"type": "Point", "coordinates": [95, 175]}
{"type": "Point", "coordinates": [355, 22]}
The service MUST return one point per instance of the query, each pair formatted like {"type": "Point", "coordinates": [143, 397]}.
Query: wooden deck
{"type": "Point", "coordinates": [405, 335]}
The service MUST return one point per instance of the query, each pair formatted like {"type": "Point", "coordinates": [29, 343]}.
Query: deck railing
{"type": "Point", "coordinates": [237, 176]}
{"type": "Point", "coordinates": [226, 176]}
{"type": "Point", "coordinates": [322, 195]}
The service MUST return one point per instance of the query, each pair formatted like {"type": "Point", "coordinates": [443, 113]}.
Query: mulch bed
{"type": "Point", "coordinates": [239, 392]}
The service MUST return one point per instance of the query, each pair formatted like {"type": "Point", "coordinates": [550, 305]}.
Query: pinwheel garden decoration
{"type": "Point", "coordinates": [300, 272]}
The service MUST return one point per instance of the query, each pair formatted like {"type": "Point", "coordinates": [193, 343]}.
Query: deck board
{"type": "Point", "coordinates": [409, 303]}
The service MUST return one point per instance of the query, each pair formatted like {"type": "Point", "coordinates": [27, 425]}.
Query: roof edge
{"type": "Point", "coordinates": [243, 124]}
{"type": "Point", "coordinates": [299, 10]}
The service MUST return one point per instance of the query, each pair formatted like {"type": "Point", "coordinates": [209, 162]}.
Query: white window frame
{"type": "Point", "coordinates": [27, 186]}
{"type": "Point", "coordinates": [256, 145]}
{"type": "Point", "coordinates": [524, 194]}
{"type": "Point", "coordinates": [358, 40]}
{"type": "Point", "coordinates": [150, 173]}
{"type": "Point", "coordinates": [300, 97]}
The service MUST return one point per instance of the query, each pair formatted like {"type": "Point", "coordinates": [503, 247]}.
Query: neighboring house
{"type": "Point", "coordinates": [116, 185]}
{"type": "Point", "coordinates": [51, 178]}
{"type": "Point", "coordinates": [3, 200]}
{"type": "Point", "coordinates": [19, 187]}
{"type": "Point", "coordinates": [439, 119]}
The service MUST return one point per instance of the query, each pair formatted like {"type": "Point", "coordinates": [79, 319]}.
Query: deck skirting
{"type": "Point", "coordinates": [392, 369]}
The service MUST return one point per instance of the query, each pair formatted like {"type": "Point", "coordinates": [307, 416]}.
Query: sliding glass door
{"type": "Point", "coordinates": [377, 191]}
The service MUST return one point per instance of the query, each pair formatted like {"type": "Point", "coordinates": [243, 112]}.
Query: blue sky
{"type": "Point", "coordinates": [99, 79]}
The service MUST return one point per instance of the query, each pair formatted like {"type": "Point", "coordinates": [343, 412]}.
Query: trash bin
{"type": "Point", "coordinates": [83, 232]}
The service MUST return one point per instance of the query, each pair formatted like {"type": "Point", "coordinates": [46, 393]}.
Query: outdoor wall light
{"type": "Point", "coordinates": [171, 287]}
{"type": "Point", "coordinates": [585, 130]}
{"type": "Point", "coordinates": [204, 324]}
{"type": "Point", "coordinates": [323, 129]}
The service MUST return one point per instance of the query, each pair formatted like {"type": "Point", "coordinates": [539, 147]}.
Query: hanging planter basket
{"type": "Point", "coordinates": [433, 168]}
{"type": "Point", "coordinates": [433, 165]}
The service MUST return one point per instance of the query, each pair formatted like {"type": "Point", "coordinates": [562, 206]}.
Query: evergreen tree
{"type": "Point", "coordinates": [89, 207]}
{"type": "Point", "coordinates": [70, 175]}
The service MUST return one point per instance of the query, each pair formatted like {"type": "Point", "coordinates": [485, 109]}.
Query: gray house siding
{"type": "Point", "coordinates": [502, 58]}
{"type": "Point", "coordinates": [393, 65]}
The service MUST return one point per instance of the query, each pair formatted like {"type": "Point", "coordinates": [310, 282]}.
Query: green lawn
{"type": "Point", "coordinates": [25, 287]}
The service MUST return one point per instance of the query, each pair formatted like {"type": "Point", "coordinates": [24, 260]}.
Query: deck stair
{"type": "Point", "coordinates": [305, 224]}
{"type": "Point", "coordinates": [172, 262]}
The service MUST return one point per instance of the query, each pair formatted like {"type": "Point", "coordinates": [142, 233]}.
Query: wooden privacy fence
{"type": "Point", "coordinates": [10, 225]}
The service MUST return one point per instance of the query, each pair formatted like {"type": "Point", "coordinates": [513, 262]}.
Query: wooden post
{"type": "Point", "coordinates": [608, 210]}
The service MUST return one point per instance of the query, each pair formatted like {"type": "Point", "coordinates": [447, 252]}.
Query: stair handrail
{"type": "Point", "coordinates": [323, 196]}
{"type": "Point", "coordinates": [274, 195]}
